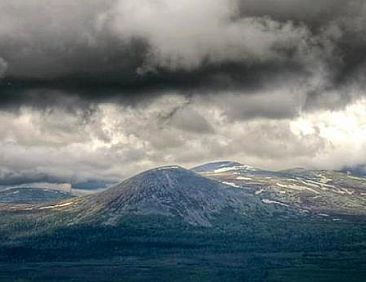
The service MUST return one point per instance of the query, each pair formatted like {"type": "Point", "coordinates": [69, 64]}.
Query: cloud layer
{"type": "Point", "coordinates": [103, 89]}
{"type": "Point", "coordinates": [113, 141]}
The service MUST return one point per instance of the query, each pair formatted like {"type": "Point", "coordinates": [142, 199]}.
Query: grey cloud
{"type": "Point", "coordinates": [277, 141]}
{"type": "Point", "coordinates": [98, 49]}
{"type": "Point", "coordinates": [279, 104]}
{"type": "Point", "coordinates": [188, 119]}
{"type": "Point", "coordinates": [203, 31]}
{"type": "Point", "coordinates": [311, 11]}
{"type": "Point", "coordinates": [44, 39]}
{"type": "Point", "coordinates": [3, 67]}
{"type": "Point", "coordinates": [12, 177]}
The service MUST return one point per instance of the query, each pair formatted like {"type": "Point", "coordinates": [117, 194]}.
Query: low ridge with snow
{"type": "Point", "coordinates": [314, 191]}
{"type": "Point", "coordinates": [223, 166]}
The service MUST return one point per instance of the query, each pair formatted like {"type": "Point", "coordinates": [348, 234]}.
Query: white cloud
{"type": "Point", "coordinates": [117, 141]}
{"type": "Point", "coordinates": [188, 33]}
{"type": "Point", "coordinates": [344, 132]}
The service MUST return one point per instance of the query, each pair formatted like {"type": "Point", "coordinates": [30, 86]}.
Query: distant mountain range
{"type": "Point", "coordinates": [215, 208]}
{"type": "Point", "coordinates": [32, 195]}
{"type": "Point", "coordinates": [199, 195]}
{"type": "Point", "coordinates": [46, 192]}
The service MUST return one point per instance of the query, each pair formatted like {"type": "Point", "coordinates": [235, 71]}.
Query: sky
{"type": "Point", "coordinates": [101, 90]}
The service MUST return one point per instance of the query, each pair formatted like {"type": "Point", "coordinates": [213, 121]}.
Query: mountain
{"type": "Point", "coordinates": [170, 191]}
{"type": "Point", "coordinates": [330, 194]}
{"type": "Point", "coordinates": [199, 199]}
{"type": "Point", "coordinates": [30, 195]}
{"type": "Point", "coordinates": [230, 223]}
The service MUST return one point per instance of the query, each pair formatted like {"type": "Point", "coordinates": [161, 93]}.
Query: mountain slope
{"type": "Point", "coordinates": [168, 191]}
{"type": "Point", "coordinates": [325, 193]}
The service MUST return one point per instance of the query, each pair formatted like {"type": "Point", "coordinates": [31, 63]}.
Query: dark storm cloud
{"type": "Point", "coordinates": [313, 12]}
{"type": "Point", "coordinates": [129, 87]}
{"type": "Point", "coordinates": [8, 177]}
{"type": "Point", "coordinates": [97, 50]}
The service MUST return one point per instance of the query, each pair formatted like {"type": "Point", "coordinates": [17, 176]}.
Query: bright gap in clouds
{"type": "Point", "coordinates": [343, 131]}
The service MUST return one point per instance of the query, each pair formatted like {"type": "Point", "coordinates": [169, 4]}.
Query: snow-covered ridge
{"type": "Point", "coordinates": [221, 166]}
{"type": "Point", "coordinates": [231, 184]}
{"type": "Point", "coordinates": [235, 168]}
{"type": "Point", "coordinates": [168, 167]}
{"type": "Point", "coordinates": [267, 201]}
{"type": "Point", "coordinates": [56, 206]}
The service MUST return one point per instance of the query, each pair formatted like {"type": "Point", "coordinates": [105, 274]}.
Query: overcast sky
{"type": "Point", "coordinates": [97, 89]}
